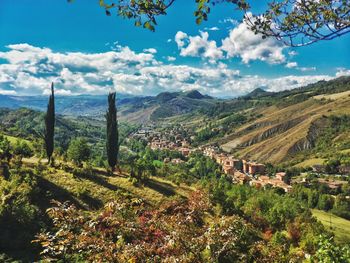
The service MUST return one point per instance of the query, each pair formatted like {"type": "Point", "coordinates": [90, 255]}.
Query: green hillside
{"type": "Point", "coordinates": [339, 226]}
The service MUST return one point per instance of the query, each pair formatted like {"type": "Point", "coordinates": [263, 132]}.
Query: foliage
{"type": "Point", "coordinates": [126, 231]}
{"type": "Point", "coordinates": [23, 149]}
{"type": "Point", "coordinates": [299, 23]}
{"type": "Point", "coordinates": [79, 150]}
{"type": "Point", "coordinates": [5, 148]}
{"type": "Point", "coordinates": [145, 12]}
{"type": "Point", "coordinates": [328, 251]}
{"type": "Point", "coordinates": [295, 23]}
{"type": "Point", "coordinates": [20, 217]}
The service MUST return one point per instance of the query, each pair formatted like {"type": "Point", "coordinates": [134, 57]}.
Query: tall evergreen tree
{"type": "Point", "coordinates": [112, 132]}
{"type": "Point", "coordinates": [50, 126]}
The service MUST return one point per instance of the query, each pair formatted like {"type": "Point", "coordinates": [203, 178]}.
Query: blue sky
{"type": "Point", "coordinates": [85, 52]}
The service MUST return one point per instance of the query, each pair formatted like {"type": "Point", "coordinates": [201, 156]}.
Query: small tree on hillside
{"type": "Point", "coordinates": [79, 151]}
{"type": "Point", "coordinates": [22, 149]}
{"type": "Point", "coordinates": [50, 126]}
{"type": "Point", "coordinates": [112, 144]}
{"type": "Point", "coordinates": [5, 149]}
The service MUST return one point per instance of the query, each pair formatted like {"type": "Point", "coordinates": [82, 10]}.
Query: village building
{"type": "Point", "coordinates": [210, 152]}
{"type": "Point", "coordinates": [253, 168]}
{"type": "Point", "coordinates": [256, 168]}
{"type": "Point", "coordinates": [265, 180]}
{"type": "Point", "coordinates": [228, 169]}
{"type": "Point", "coordinates": [332, 184]}
{"type": "Point", "coordinates": [232, 162]}
{"type": "Point", "coordinates": [221, 158]}
{"type": "Point", "coordinates": [245, 164]}
{"type": "Point", "coordinates": [240, 177]}
{"type": "Point", "coordinates": [282, 176]}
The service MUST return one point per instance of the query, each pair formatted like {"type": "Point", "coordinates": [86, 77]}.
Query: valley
{"type": "Point", "coordinates": [265, 151]}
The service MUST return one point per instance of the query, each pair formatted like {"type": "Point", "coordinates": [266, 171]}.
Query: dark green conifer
{"type": "Point", "coordinates": [112, 132]}
{"type": "Point", "coordinates": [50, 126]}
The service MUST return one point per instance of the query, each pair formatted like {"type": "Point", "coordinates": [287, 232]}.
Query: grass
{"type": "Point", "coordinates": [310, 162]}
{"type": "Point", "coordinates": [13, 140]}
{"type": "Point", "coordinates": [340, 226]}
{"type": "Point", "coordinates": [93, 191]}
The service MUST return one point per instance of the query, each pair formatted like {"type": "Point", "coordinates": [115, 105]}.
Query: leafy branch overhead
{"type": "Point", "coordinates": [303, 22]}
{"type": "Point", "coordinates": [294, 22]}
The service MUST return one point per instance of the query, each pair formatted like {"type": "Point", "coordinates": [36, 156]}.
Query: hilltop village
{"type": "Point", "coordinates": [240, 171]}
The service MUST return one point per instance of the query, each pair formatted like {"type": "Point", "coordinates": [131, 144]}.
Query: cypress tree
{"type": "Point", "coordinates": [50, 126]}
{"type": "Point", "coordinates": [112, 132]}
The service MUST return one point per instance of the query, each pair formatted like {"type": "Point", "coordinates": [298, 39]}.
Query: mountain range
{"type": "Point", "coordinates": [132, 108]}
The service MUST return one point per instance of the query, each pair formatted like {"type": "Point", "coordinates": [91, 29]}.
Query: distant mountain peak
{"type": "Point", "coordinates": [195, 94]}
{"type": "Point", "coordinates": [258, 92]}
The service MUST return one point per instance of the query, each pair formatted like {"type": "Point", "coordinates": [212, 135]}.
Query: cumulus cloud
{"type": "Point", "coordinates": [29, 70]}
{"type": "Point", "coordinates": [199, 46]}
{"type": "Point", "coordinates": [241, 42]}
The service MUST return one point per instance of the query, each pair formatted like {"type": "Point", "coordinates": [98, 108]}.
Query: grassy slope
{"type": "Point", "coordinates": [92, 192]}
{"type": "Point", "coordinates": [13, 140]}
{"type": "Point", "coordinates": [275, 148]}
{"type": "Point", "coordinates": [340, 226]}
{"type": "Point", "coordinates": [311, 162]}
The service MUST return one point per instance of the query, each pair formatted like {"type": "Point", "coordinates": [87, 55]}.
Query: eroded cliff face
{"type": "Point", "coordinates": [280, 134]}
{"type": "Point", "coordinates": [308, 142]}
{"type": "Point", "coordinates": [272, 131]}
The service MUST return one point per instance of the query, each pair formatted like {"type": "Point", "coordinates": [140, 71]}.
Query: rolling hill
{"type": "Point", "coordinates": [312, 120]}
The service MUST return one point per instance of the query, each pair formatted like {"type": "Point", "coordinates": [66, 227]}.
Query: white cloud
{"type": "Point", "coordinates": [241, 42]}
{"type": "Point", "coordinates": [291, 65]}
{"type": "Point", "coordinates": [29, 70]}
{"type": "Point", "coordinates": [171, 59]}
{"type": "Point", "coordinates": [342, 72]}
{"type": "Point", "coordinates": [294, 65]}
{"type": "Point", "coordinates": [304, 69]}
{"type": "Point", "coordinates": [198, 46]}
{"type": "Point", "coordinates": [292, 53]}
{"type": "Point", "coordinates": [7, 92]}
{"type": "Point", "coordinates": [179, 38]}
{"type": "Point", "coordinates": [229, 21]}
{"type": "Point", "coordinates": [214, 28]}
{"type": "Point", "coordinates": [150, 50]}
